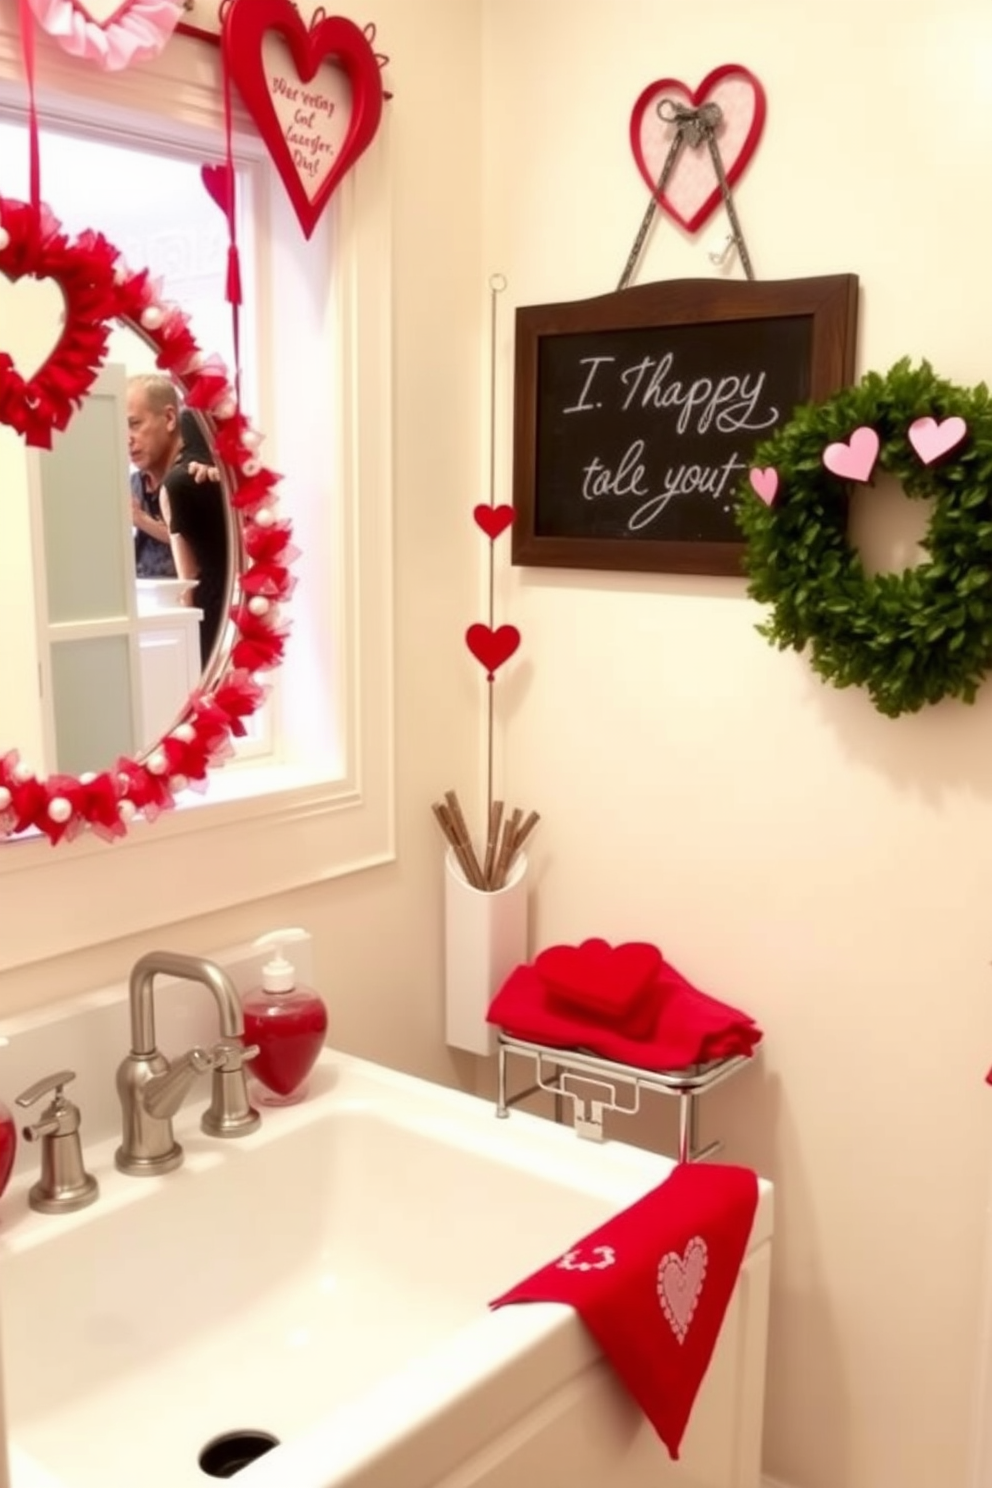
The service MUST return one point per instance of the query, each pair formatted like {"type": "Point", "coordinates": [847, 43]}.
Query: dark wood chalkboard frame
{"type": "Point", "coordinates": [830, 302]}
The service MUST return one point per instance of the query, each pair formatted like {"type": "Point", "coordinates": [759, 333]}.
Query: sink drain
{"type": "Point", "coordinates": [228, 1454]}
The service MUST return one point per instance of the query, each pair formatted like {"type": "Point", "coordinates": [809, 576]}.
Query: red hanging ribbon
{"type": "Point", "coordinates": [34, 152]}
{"type": "Point", "coordinates": [233, 258]}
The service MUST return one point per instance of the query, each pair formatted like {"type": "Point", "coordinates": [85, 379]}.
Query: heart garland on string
{"type": "Point", "coordinates": [491, 648]}
{"type": "Point", "coordinates": [315, 120]}
{"type": "Point", "coordinates": [493, 520]}
{"type": "Point", "coordinates": [692, 192]}
{"type": "Point", "coordinates": [219, 183]}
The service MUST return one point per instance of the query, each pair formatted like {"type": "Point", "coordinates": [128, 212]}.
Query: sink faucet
{"type": "Point", "coordinates": [151, 1089]}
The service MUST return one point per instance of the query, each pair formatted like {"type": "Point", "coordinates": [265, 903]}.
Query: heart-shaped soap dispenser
{"type": "Point", "coordinates": [288, 1022]}
{"type": "Point", "coordinates": [8, 1146]}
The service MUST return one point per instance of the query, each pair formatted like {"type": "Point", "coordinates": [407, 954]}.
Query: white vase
{"type": "Point", "coordinates": [485, 937]}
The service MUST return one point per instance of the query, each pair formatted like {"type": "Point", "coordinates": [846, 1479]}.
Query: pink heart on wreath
{"type": "Point", "coordinates": [855, 459]}
{"type": "Point", "coordinates": [492, 647]}
{"type": "Point", "coordinates": [764, 482]}
{"type": "Point", "coordinates": [930, 440]}
{"type": "Point", "coordinates": [316, 120]}
{"type": "Point", "coordinates": [493, 519]}
{"type": "Point", "coordinates": [692, 191]}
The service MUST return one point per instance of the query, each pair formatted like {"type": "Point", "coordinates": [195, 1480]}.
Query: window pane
{"type": "Point", "coordinates": [91, 686]}
{"type": "Point", "coordinates": [89, 562]}
{"type": "Point", "coordinates": [153, 207]}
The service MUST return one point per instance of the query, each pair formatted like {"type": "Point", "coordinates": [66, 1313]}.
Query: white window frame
{"type": "Point", "coordinates": [272, 828]}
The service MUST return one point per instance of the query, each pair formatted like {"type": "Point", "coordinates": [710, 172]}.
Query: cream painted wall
{"type": "Point", "coordinates": [788, 847]}
{"type": "Point", "coordinates": [378, 942]}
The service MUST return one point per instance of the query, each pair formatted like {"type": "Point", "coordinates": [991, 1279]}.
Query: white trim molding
{"type": "Point", "coordinates": [980, 1474]}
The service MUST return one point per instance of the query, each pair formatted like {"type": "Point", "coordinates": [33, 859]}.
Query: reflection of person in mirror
{"type": "Point", "coordinates": [154, 443]}
{"type": "Point", "coordinates": [192, 501]}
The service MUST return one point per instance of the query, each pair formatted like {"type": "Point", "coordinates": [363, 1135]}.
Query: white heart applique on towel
{"type": "Point", "coordinates": [680, 1282]}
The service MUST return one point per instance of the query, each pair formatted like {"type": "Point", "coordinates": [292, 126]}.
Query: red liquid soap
{"type": "Point", "coordinates": [8, 1146]}
{"type": "Point", "coordinates": [289, 1025]}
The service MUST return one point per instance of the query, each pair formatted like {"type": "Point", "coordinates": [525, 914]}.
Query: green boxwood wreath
{"type": "Point", "coordinates": [909, 638]}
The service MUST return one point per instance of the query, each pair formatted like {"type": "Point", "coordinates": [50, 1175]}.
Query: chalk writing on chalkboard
{"type": "Point", "coordinates": [636, 414]}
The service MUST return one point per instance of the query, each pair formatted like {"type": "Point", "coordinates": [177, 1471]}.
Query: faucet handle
{"type": "Point", "coordinates": [65, 1184]}
{"type": "Point", "coordinates": [60, 1118]}
{"type": "Point", "coordinates": [163, 1094]}
{"type": "Point", "coordinates": [43, 1086]}
{"type": "Point", "coordinates": [230, 1113]}
{"type": "Point", "coordinates": [229, 1055]}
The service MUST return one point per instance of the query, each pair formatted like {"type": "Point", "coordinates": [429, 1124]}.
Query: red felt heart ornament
{"type": "Point", "coordinates": [492, 647]}
{"type": "Point", "coordinates": [315, 120]}
{"type": "Point", "coordinates": [692, 191]}
{"type": "Point", "coordinates": [493, 519]}
{"type": "Point", "coordinates": [598, 974]}
{"type": "Point", "coordinates": [219, 182]}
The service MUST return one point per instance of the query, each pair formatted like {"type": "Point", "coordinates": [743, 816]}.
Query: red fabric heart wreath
{"type": "Point", "coordinates": [33, 245]}
{"type": "Point", "coordinates": [98, 287]}
{"type": "Point", "coordinates": [305, 154]}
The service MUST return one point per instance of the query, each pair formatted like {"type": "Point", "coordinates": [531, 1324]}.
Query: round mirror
{"type": "Point", "coordinates": [148, 562]}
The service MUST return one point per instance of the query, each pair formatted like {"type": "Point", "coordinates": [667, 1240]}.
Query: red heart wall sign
{"type": "Point", "coordinates": [692, 192]}
{"type": "Point", "coordinates": [315, 119]}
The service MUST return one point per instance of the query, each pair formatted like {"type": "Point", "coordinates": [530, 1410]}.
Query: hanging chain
{"type": "Point", "coordinates": [693, 127]}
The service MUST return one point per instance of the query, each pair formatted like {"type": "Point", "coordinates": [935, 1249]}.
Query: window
{"type": "Point", "coordinates": [318, 388]}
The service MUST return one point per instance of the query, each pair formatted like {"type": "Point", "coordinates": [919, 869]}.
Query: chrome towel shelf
{"type": "Point", "coordinates": [595, 1085]}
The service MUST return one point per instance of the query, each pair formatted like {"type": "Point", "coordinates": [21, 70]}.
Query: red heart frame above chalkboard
{"type": "Point", "coordinates": [328, 40]}
{"type": "Point", "coordinates": [692, 192]}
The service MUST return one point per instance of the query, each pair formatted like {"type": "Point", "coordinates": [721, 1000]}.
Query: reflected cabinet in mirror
{"type": "Point", "coordinates": [146, 563]}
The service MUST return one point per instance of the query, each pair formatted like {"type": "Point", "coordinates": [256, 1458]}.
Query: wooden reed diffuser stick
{"type": "Point", "coordinates": [452, 824]}
{"type": "Point", "coordinates": [495, 818]}
{"type": "Point", "coordinates": [510, 829]}
{"type": "Point", "coordinates": [505, 837]}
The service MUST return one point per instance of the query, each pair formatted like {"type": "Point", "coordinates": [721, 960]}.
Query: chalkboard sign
{"type": "Point", "coordinates": [636, 414]}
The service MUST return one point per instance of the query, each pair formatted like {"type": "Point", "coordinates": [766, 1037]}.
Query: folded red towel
{"type": "Point", "coordinates": [610, 984]}
{"type": "Point", "coordinates": [652, 1285]}
{"type": "Point", "coordinates": [686, 1027]}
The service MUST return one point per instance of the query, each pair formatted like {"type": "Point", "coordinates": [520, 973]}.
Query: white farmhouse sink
{"type": "Point", "coordinates": [325, 1280]}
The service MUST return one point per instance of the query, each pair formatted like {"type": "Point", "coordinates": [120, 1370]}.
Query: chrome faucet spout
{"type": "Point", "coordinates": [151, 1089]}
{"type": "Point", "coordinates": [187, 968]}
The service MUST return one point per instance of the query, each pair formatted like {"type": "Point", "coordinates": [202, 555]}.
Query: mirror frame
{"type": "Point", "coordinates": [100, 289]}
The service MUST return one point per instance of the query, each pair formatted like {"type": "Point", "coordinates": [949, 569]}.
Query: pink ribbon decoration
{"type": "Point", "coordinates": [137, 30]}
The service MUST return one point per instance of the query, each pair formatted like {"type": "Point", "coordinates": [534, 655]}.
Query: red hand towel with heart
{"type": "Point", "coordinates": [652, 1285]}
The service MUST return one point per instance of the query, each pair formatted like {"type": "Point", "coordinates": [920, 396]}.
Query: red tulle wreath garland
{"type": "Point", "coordinates": [99, 289]}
